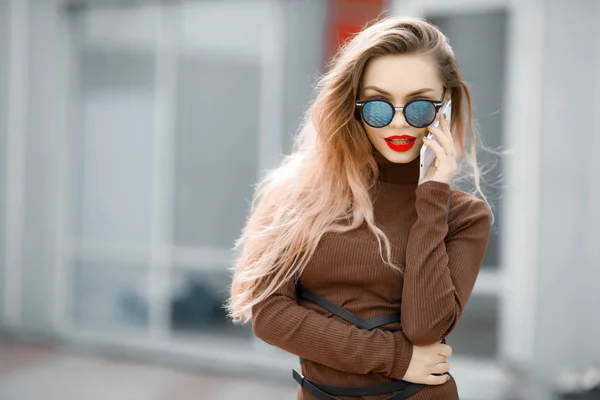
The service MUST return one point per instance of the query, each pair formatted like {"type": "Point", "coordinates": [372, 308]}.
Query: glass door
{"type": "Point", "coordinates": [178, 115]}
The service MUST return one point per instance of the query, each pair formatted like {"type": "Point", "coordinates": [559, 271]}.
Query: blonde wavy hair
{"type": "Point", "coordinates": [323, 186]}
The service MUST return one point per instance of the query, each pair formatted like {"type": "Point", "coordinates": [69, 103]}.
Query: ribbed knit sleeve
{"type": "Point", "coordinates": [281, 322]}
{"type": "Point", "coordinates": [442, 261]}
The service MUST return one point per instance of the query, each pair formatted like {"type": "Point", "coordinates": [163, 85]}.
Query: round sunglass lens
{"type": "Point", "coordinates": [377, 113]}
{"type": "Point", "coordinates": [420, 113]}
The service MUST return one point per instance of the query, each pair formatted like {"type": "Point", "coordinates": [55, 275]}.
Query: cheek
{"type": "Point", "coordinates": [422, 132]}
{"type": "Point", "coordinates": [369, 131]}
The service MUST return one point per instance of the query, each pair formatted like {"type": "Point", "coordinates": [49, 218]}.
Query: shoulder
{"type": "Point", "coordinates": [467, 209]}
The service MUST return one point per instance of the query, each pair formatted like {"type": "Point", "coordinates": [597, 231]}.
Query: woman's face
{"type": "Point", "coordinates": [399, 79]}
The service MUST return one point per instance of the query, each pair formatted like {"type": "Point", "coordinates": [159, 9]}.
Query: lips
{"type": "Point", "coordinates": [401, 143]}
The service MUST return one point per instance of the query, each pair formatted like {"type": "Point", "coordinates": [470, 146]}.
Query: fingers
{"type": "Point", "coordinates": [444, 350]}
{"type": "Point", "coordinates": [441, 368]}
{"type": "Point", "coordinates": [437, 380]}
{"type": "Point", "coordinates": [436, 147]}
{"type": "Point", "coordinates": [428, 364]}
{"type": "Point", "coordinates": [446, 143]}
{"type": "Point", "coordinates": [444, 136]}
{"type": "Point", "coordinates": [445, 125]}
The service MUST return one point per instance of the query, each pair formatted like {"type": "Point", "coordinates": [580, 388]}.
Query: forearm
{"type": "Point", "coordinates": [441, 266]}
{"type": "Point", "coordinates": [281, 322]}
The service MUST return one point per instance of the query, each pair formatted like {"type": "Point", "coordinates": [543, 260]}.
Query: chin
{"type": "Point", "coordinates": [400, 157]}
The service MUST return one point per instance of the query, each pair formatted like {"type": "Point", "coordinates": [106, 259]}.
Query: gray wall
{"type": "Point", "coordinates": [3, 106]}
{"type": "Point", "coordinates": [568, 319]}
{"type": "Point", "coordinates": [45, 125]}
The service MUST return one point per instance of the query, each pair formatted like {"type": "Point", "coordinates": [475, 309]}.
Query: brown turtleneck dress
{"type": "Point", "coordinates": [441, 258]}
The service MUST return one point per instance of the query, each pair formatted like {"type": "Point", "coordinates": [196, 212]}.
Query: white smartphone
{"type": "Point", "coordinates": [427, 154]}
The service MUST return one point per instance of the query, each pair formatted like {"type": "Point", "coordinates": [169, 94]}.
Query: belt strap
{"type": "Point", "coordinates": [345, 314]}
{"type": "Point", "coordinates": [326, 392]}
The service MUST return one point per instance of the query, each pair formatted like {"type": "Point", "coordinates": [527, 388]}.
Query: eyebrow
{"type": "Point", "coordinates": [416, 92]}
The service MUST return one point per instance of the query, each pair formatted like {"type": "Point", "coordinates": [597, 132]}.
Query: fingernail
{"type": "Point", "coordinates": [447, 378]}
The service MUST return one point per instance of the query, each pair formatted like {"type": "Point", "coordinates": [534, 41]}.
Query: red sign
{"type": "Point", "coordinates": [348, 17]}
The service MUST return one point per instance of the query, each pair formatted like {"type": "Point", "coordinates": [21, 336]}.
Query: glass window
{"type": "Point", "coordinates": [116, 140]}
{"type": "Point", "coordinates": [109, 295]}
{"type": "Point", "coordinates": [217, 130]}
{"type": "Point", "coordinates": [184, 67]}
{"type": "Point", "coordinates": [197, 300]}
{"type": "Point", "coordinates": [479, 42]}
{"type": "Point", "coordinates": [114, 144]}
{"type": "Point", "coordinates": [476, 334]}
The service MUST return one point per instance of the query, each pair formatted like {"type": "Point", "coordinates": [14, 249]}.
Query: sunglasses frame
{"type": "Point", "coordinates": [360, 107]}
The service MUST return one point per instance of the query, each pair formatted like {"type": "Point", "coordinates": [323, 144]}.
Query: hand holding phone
{"type": "Point", "coordinates": [427, 154]}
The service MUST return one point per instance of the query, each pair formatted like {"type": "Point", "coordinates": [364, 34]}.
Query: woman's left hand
{"type": "Point", "coordinates": [444, 167]}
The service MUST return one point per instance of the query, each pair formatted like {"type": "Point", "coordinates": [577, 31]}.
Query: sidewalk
{"type": "Point", "coordinates": [39, 373]}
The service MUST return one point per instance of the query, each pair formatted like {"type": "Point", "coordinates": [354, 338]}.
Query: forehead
{"type": "Point", "coordinates": [402, 73]}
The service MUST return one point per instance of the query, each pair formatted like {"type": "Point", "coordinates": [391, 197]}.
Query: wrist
{"type": "Point", "coordinates": [402, 357]}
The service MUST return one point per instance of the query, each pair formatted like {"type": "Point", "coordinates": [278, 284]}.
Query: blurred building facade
{"type": "Point", "coordinates": [131, 134]}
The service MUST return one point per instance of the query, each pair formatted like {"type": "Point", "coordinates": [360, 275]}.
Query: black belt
{"type": "Point", "coordinates": [326, 392]}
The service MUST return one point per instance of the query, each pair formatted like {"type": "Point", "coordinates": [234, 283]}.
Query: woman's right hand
{"type": "Point", "coordinates": [428, 360]}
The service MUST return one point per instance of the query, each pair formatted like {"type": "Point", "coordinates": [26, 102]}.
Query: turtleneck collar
{"type": "Point", "coordinates": [397, 173]}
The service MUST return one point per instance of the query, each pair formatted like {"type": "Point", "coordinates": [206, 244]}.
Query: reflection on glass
{"type": "Point", "coordinates": [110, 295]}
{"type": "Point", "coordinates": [115, 180]}
{"type": "Point", "coordinates": [217, 142]}
{"type": "Point", "coordinates": [476, 334]}
{"type": "Point", "coordinates": [197, 300]}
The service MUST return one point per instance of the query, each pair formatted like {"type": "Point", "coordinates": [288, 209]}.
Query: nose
{"type": "Point", "coordinates": [398, 121]}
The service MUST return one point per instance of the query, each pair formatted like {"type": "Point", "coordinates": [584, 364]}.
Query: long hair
{"type": "Point", "coordinates": [323, 186]}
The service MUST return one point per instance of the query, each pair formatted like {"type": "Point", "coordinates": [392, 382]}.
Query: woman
{"type": "Point", "coordinates": [348, 260]}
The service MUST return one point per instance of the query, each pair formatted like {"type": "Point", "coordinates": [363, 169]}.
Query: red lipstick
{"type": "Point", "coordinates": [400, 143]}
